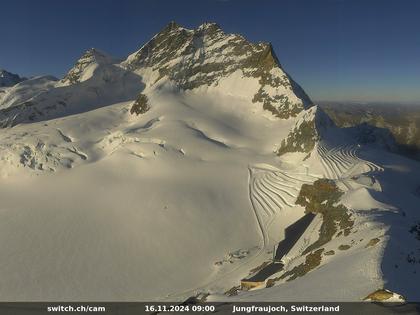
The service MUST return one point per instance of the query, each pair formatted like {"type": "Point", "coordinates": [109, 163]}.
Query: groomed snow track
{"type": "Point", "coordinates": [342, 162]}
{"type": "Point", "coordinates": [272, 191]}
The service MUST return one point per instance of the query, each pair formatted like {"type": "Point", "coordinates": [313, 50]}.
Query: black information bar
{"type": "Point", "coordinates": [240, 308]}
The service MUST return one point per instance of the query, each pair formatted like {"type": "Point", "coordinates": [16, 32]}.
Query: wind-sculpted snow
{"type": "Point", "coordinates": [26, 90]}
{"type": "Point", "coordinates": [39, 156]}
{"type": "Point", "coordinates": [42, 99]}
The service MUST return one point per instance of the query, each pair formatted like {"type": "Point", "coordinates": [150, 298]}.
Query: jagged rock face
{"type": "Point", "coordinates": [323, 196]}
{"type": "Point", "coordinates": [140, 105]}
{"type": "Point", "coordinates": [189, 59]}
{"type": "Point", "coordinates": [9, 79]}
{"type": "Point", "coordinates": [90, 57]}
{"type": "Point", "coordinates": [202, 57]}
{"type": "Point", "coordinates": [306, 132]}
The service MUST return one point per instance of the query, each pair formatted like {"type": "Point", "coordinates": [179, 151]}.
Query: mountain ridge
{"type": "Point", "coordinates": [230, 52]}
{"type": "Point", "coordinates": [8, 79]}
{"type": "Point", "coordinates": [191, 59]}
{"type": "Point", "coordinates": [177, 170]}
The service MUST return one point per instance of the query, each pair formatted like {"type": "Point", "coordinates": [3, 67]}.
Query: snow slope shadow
{"type": "Point", "coordinates": [292, 234]}
{"type": "Point", "coordinates": [400, 263]}
{"type": "Point", "coordinates": [109, 85]}
{"type": "Point", "coordinates": [367, 134]}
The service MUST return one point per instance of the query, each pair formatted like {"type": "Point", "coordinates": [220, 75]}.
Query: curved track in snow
{"type": "Point", "coordinates": [270, 192]}
{"type": "Point", "coordinates": [342, 162]}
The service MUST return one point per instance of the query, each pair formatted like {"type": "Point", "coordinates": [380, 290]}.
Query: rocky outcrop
{"type": "Point", "coordinates": [323, 197]}
{"type": "Point", "coordinates": [206, 55]}
{"type": "Point", "coordinates": [384, 295]}
{"type": "Point", "coordinates": [140, 105]}
{"type": "Point", "coordinates": [89, 58]}
{"type": "Point", "coordinates": [306, 132]}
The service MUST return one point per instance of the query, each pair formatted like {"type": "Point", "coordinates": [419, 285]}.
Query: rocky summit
{"type": "Point", "coordinates": [197, 167]}
{"type": "Point", "coordinates": [204, 56]}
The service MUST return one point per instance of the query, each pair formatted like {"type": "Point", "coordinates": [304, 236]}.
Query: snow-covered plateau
{"type": "Point", "coordinates": [175, 172]}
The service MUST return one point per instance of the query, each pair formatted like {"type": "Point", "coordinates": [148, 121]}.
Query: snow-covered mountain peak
{"type": "Point", "coordinates": [206, 56]}
{"type": "Point", "coordinates": [9, 79]}
{"type": "Point", "coordinates": [199, 134]}
{"type": "Point", "coordinates": [96, 55]}
{"type": "Point", "coordinates": [204, 61]}
{"type": "Point", "coordinates": [209, 27]}
{"type": "Point", "coordinates": [85, 65]}
{"type": "Point", "coordinates": [171, 26]}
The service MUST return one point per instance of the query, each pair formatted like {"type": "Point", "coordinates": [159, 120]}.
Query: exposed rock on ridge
{"type": "Point", "coordinates": [202, 57]}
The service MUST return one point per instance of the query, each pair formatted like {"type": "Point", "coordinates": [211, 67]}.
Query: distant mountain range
{"type": "Point", "coordinates": [402, 120]}
{"type": "Point", "coordinates": [177, 171]}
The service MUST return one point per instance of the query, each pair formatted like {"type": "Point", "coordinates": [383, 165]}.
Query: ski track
{"type": "Point", "coordinates": [270, 191]}
{"type": "Point", "coordinates": [263, 226]}
{"type": "Point", "coordinates": [342, 161]}
{"type": "Point", "coordinates": [273, 191]}
{"type": "Point", "coordinates": [272, 186]}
